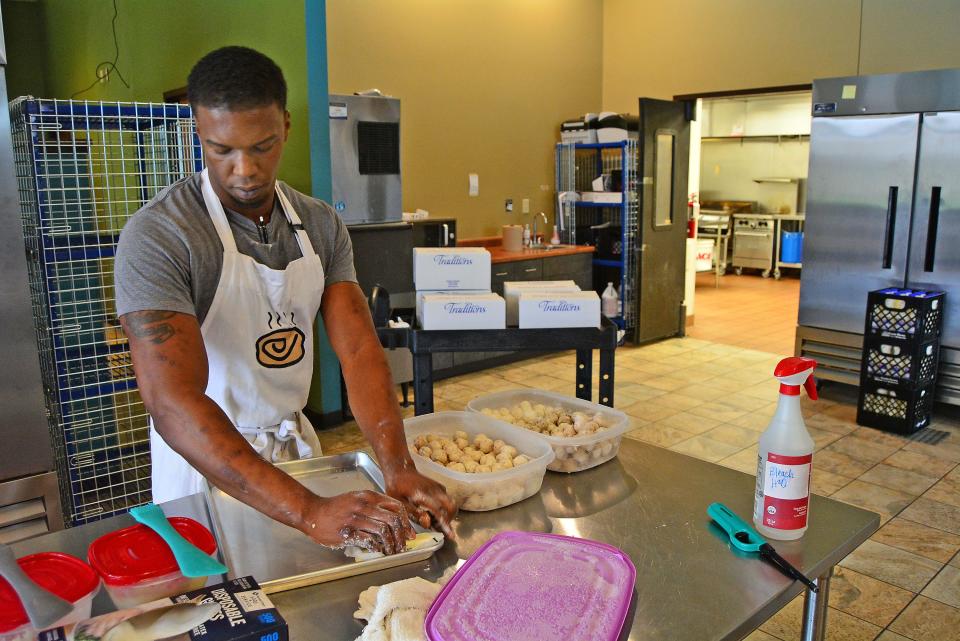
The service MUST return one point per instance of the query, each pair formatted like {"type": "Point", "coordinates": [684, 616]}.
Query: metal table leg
{"type": "Point", "coordinates": [815, 610]}
{"type": "Point", "coordinates": [422, 384]}
{"type": "Point", "coordinates": [585, 374]}
{"type": "Point", "coordinates": [606, 376]}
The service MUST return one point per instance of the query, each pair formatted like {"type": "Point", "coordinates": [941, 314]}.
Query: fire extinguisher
{"type": "Point", "coordinates": [693, 215]}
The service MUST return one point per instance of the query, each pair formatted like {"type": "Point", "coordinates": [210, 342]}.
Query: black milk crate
{"type": "Point", "coordinates": [907, 314]}
{"type": "Point", "coordinates": [903, 409]}
{"type": "Point", "coordinates": [899, 362]}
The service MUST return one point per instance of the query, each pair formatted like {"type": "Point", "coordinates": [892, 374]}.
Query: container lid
{"type": "Point", "coordinates": [527, 585]}
{"type": "Point", "coordinates": [66, 576]}
{"type": "Point", "coordinates": [137, 553]}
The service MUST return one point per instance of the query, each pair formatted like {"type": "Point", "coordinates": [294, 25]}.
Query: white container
{"type": "Point", "coordinates": [450, 310]}
{"type": "Point", "coordinates": [559, 309]}
{"type": "Point", "coordinates": [512, 290]}
{"type": "Point", "coordinates": [451, 268]}
{"type": "Point", "coordinates": [704, 254]}
{"type": "Point", "coordinates": [575, 453]}
{"type": "Point", "coordinates": [610, 302]}
{"type": "Point", "coordinates": [487, 490]}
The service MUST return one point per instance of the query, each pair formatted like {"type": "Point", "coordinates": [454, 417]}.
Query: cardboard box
{"type": "Point", "coordinates": [457, 310]}
{"type": "Point", "coordinates": [559, 309]}
{"type": "Point", "coordinates": [451, 268]}
{"type": "Point", "coordinates": [513, 289]}
{"type": "Point", "coordinates": [245, 614]}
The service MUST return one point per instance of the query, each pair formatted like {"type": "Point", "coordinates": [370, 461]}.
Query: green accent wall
{"type": "Point", "coordinates": [159, 42]}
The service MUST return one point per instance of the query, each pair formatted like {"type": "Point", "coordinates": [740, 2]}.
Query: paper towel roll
{"type": "Point", "coordinates": [512, 238]}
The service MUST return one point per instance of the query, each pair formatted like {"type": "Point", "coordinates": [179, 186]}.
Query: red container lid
{"type": "Point", "coordinates": [137, 553]}
{"type": "Point", "coordinates": [66, 576]}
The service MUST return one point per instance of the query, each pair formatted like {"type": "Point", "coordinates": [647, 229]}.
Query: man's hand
{"type": "Point", "coordinates": [428, 500]}
{"type": "Point", "coordinates": [365, 519]}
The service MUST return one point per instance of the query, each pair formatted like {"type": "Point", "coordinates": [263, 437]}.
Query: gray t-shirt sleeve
{"type": "Point", "coordinates": [339, 267]}
{"type": "Point", "coordinates": [152, 267]}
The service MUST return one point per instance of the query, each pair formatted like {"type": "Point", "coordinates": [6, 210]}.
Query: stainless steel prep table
{"type": "Point", "coordinates": [651, 503]}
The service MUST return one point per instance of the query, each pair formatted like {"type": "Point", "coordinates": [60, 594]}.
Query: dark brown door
{"type": "Point", "coordinates": [664, 163]}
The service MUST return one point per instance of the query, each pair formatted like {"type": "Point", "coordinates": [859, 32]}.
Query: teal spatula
{"type": "Point", "coordinates": [745, 538]}
{"type": "Point", "coordinates": [192, 560]}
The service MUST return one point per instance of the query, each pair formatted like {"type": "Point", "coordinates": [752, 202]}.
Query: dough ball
{"type": "Point", "coordinates": [520, 460]}
{"type": "Point", "coordinates": [476, 455]}
{"type": "Point", "coordinates": [462, 443]}
{"type": "Point", "coordinates": [488, 459]}
{"type": "Point", "coordinates": [469, 465]}
{"type": "Point", "coordinates": [509, 450]}
{"type": "Point", "coordinates": [497, 446]}
{"type": "Point", "coordinates": [435, 445]}
{"type": "Point", "coordinates": [440, 456]}
{"type": "Point", "coordinates": [486, 446]}
{"type": "Point", "coordinates": [483, 468]}
{"type": "Point", "coordinates": [425, 452]}
{"type": "Point", "coordinates": [420, 441]}
{"type": "Point", "coordinates": [460, 434]}
{"type": "Point", "coordinates": [457, 467]}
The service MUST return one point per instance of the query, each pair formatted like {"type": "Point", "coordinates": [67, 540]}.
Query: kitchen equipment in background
{"type": "Point", "coordinates": [244, 533]}
{"type": "Point", "coordinates": [579, 130]}
{"type": "Point", "coordinates": [382, 257]}
{"type": "Point", "coordinates": [435, 232]}
{"type": "Point", "coordinates": [30, 501]}
{"type": "Point", "coordinates": [614, 127]}
{"type": "Point", "coordinates": [791, 246]}
{"type": "Point", "coordinates": [549, 599]}
{"type": "Point", "coordinates": [789, 236]}
{"type": "Point", "coordinates": [753, 239]}
{"type": "Point", "coordinates": [512, 238]}
{"type": "Point", "coordinates": [883, 210]}
{"type": "Point", "coordinates": [901, 353]}
{"type": "Point", "coordinates": [365, 158]}
{"type": "Point", "coordinates": [84, 168]}
{"type": "Point", "coordinates": [192, 560]}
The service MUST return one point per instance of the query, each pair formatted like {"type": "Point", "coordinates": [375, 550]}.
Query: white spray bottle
{"type": "Point", "coordinates": [785, 456]}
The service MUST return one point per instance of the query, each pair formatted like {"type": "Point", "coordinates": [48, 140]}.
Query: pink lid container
{"type": "Point", "coordinates": [528, 585]}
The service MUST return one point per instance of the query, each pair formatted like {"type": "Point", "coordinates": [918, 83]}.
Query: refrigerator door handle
{"type": "Point", "coordinates": [891, 226]}
{"type": "Point", "coordinates": [933, 221]}
{"type": "Point", "coordinates": [446, 235]}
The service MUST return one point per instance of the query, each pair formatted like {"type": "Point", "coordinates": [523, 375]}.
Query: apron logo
{"type": "Point", "coordinates": [280, 348]}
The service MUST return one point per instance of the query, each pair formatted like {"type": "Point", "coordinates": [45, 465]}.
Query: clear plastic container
{"type": "Point", "coordinates": [574, 453]}
{"type": "Point", "coordinates": [66, 576]}
{"type": "Point", "coordinates": [483, 491]}
{"type": "Point", "coordinates": [137, 566]}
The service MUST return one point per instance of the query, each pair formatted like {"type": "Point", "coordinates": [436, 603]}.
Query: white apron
{"type": "Point", "coordinates": [258, 336]}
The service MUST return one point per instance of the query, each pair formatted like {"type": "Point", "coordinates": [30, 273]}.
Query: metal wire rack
{"type": "Point", "coordinates": [577, 166]}
{"type": "Point", "coordinates": [83, 168]}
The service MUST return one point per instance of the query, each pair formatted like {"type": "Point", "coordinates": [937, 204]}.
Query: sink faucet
{"type": "Point", "coordinates": [536, 240]}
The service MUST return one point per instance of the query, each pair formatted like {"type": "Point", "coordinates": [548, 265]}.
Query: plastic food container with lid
{"type": "Point", "coordinates": [574, 453]}
{"type": "Point", "coordinates": [484, 491]}
{"type": "Point", "coordinates": [66, 576]}
{"type": "Point", "coordinates": [527, 585]}
{"type": "Point", "coordinates": [137, 566]}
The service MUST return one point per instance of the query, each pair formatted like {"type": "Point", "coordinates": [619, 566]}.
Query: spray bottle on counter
{"type": "Point", "coordinates": [785, 456]}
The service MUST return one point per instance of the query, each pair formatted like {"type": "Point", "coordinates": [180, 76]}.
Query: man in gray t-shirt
{"type": "Point", "coordinates": [218, 280]}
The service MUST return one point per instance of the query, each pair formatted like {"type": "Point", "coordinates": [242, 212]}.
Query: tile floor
{"type": "Point", "coordinates": [712, 400]}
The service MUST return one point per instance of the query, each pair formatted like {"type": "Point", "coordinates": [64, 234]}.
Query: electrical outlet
{"type": "Point", "coordinates": [508, 205]}
{"type": "Point", "coordinates": [526, 205]}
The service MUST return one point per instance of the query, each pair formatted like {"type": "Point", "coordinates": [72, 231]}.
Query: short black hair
{"type": "Point", "coordinates": [236, 78]}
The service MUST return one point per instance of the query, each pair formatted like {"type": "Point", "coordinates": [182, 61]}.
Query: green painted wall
{"type": "Point", "coordinates": [159, 43]}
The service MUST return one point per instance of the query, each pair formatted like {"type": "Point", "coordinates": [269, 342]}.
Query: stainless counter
{"type": "Point", "coordinates": [650, 502]}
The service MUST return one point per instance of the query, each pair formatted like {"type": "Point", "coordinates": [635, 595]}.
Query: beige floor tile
{"type": "Point", "coordinates": [718, 410]}
{"type": "Point", "coordinates": [928, 620]}
{"type": "Point", "coordinates": [935, 514]}
{"type": "Point", "coordinates": [721, 382]}
{"type": "Point", "coordinates": [829, 423]}
{"type": "Point", "coordinates": [765, 391]}
{"type": "Point", "coordinates": [745, 402]}
{"type": "Point", "coordinates": [840, 463]}
{"type": "Point", "coordinates": [759, 635]}
{"type": "Point", "coordinates": [878, 436]}
{"type": "Point", "coordinates": [841, 626]}
{"type": "Point", "coordinates": [861, 449]}
{"type": "Point", "coordinates": [873, 497]}
{"type": "Point", "coordinates": [897, 567]}
{"type": "Point", "coordinates": [704, 448]}
{"type": "Point", "coordinates": [756, 421]}
{"type": "Point", "coordinates": [916, 462]}
{"type": "Point", "coordinates": [702, 392]}
{"type": "Point", "coordinates": [945, 587]}
{"type": "Point", "coordinates": [947, 490]}
{"type": "Point", "coordinates": [955, 561]}
{"type": "Point", "coordinates": [667, 383]}
{"type": "Point", "coordinates": [734, 435]}
{"type": "Point", "coordinates": [887, 635]}
{"type": "Point", "coordinates": [822, 438]}
{"type": "Point", "coordinates": [638, 390]}
{"type": "Point", "coordinates": [904, 480]}
{"type": "Point", "coordinates": [650, 410]}
{"type": "Point", "coordinates": [826, 483]}
{"type": "Point", "coordinates": [690, 422]}
{"type": "Point", "coordinates": [681, 402]}
{"type": "Point", "coordinates": [659, 434]}
{"type": "Point", "coordinates": [843, 412]}
{"type": "Point", "coordinates": [918, 538]}
{"type": "Point", "coordinates": [653, 367]}
{"type": "Point", "coordinates": [743, 461]}
{"type": "Point", "coordinates": [867, 598]}
{"type": "Point", "coordinates": [948, 449]}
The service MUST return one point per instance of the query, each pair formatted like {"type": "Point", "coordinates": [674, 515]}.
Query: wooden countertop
{"type": "Point", "coordinates": [499, 255]}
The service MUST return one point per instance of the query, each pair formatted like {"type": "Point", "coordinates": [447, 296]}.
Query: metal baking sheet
{"type": "Point", "coordinates": [282, 558]}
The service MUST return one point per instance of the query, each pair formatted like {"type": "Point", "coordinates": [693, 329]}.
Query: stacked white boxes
{"type": "Point", "coordinates": [453, 289]}
{"type": "Point", "coordinates": [512, 290]}
{"type": "Point", "coordinates": [559, 309]}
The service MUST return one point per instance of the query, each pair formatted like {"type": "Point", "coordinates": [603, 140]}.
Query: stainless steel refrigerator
{"type": "Point", "coordinates": [883, 210]}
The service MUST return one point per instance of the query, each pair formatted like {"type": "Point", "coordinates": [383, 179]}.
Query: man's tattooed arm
{"type": "Point", "coordinates": [151, 325]}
